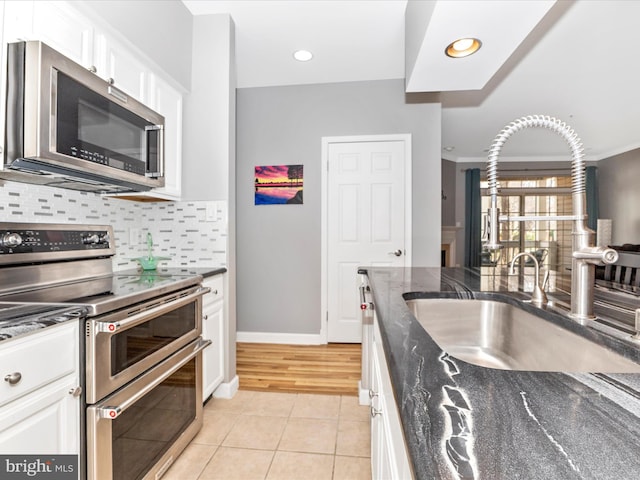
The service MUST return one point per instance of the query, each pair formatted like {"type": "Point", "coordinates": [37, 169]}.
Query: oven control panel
{"type": "Point", "coordinates": [19, 239]}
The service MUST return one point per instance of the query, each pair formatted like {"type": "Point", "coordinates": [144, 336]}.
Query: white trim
{"type": "Point", "coordinates": [227, 390]}
{"type": "Point", "coordinates": [363, 395]}
{"type": "Point", "coordinates": [326, 141]}
{"type": "Point", "coordinates": [281, 338]}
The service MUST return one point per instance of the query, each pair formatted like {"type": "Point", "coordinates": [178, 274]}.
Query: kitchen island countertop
{"type": "Point", "coordinates": [466, 421]}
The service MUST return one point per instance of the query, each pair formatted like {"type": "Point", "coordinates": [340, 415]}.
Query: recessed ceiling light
{"type": "Point", "coordinates": [463, 47]}
{"type": "Point", "coordinates": [448, 148]}
{"type": "Point", "coordinates": [303, 55]}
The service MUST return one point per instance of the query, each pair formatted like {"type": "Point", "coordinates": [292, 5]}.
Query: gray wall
{"type": "Point", "coordinates": [619, 195]}
{"type": "Point", "coordinates": [279, 247]}
{"type": "Point", "coordinates": [162, 30]}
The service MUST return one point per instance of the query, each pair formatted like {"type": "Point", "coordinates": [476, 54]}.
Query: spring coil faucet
{"type": "Point", "coordinates": [585, 255]}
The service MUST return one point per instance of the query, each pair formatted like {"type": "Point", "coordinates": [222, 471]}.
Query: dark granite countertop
{"type": "Point", "coordinates": [466, 421]}
{"type": "Point", "coordinates": [202, 271]}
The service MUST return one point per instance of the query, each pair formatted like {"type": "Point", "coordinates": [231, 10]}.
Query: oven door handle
{"type": "Point", "coordinates": [112, 412]}
{"type": "Point", "coordinates": [138, 318]}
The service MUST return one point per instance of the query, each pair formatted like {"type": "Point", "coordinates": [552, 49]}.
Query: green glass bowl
{"type": "Point", "coordinates": [149, 263]}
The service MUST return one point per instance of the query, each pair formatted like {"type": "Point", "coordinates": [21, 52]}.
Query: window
{"type": "Point", "coordinates": [548, 240]}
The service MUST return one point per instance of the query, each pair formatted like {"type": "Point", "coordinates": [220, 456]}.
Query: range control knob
{"type": "Point", "coordinates": [91, 239]}
{"type": "Point", "coordinates": [10, 239]}
{"type": "Point", "coordinates": [95, 239]}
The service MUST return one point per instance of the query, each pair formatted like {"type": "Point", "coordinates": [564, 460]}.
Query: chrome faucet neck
{"type": "Point", "coordinates": [585, 254]}
{"type": "Point", "coordinates": [537, 296]}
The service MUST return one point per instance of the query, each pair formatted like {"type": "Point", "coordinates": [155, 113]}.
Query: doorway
{"type": "Point", "coordinates": [366, 221]}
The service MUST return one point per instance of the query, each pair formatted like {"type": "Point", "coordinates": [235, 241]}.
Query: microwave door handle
{"type": "Point", "coordinates": [158, 130]}
{"type": "Point", "coordinates": [112, 412]}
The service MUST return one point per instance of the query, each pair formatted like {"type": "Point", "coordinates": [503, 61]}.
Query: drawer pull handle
{"type": "Point", "coordinates": [75, 392]}
{"type": "Point", "coordinates": [372, 394]}
{"type": "Point", "coordinates": [13, 378]}
{"type": "Point", "coordinates": [215, 292]}
{"type": "Point", "coordinates": [375, 412]}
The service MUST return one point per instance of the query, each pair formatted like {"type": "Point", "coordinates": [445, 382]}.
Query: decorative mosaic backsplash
{"type": "Point", "coordinates": [193, 234]}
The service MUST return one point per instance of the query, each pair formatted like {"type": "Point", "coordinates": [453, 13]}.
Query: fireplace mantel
{"type": "Point", "coordinates": [448, 241]}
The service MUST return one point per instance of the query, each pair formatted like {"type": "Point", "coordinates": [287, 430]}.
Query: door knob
{"type": "Point", "coordinates": [397, 252]}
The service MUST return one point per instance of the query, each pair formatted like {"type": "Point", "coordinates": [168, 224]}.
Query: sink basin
{"type": "Point", "coordinates": [499, 335]}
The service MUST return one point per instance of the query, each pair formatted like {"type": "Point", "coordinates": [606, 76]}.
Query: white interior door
{"type": "Point", "coordinates": [368, 196]}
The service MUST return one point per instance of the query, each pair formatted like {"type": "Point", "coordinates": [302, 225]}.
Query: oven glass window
{"type": "Point", "coordinates": [134, 344]}
{"type": "Point", "coordinates": [94, 128]}
{"type": "Point", "coordinates": [144, 432]}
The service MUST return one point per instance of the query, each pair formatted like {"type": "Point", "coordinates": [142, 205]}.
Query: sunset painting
{"type": "Point", "coordinates": [279, 184]}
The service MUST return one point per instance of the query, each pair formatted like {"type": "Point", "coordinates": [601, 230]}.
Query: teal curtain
{"type": "Point", "coordinates": [472, 218]}
{"type": "Point", "coordinates": [591, 187]}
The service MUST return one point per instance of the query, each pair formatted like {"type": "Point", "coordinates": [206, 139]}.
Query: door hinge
{"type": "Point", "coordinates": [327, 317]}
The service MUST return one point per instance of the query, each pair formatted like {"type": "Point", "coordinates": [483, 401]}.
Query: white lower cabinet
{"type": "Point", "coordinates": [389, 457]}
{"type": "Point", "coordinates": [40, 402]}
{"type": "Point", "coordinates": [213, 329]}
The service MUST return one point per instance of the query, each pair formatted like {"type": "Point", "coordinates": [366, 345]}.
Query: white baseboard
{"type": "Point", "coordinates": [281, 338]}
{"type": "Point", "coordinates": [363, 395]}
{"type": "Point", "coordinates": [227, 390]}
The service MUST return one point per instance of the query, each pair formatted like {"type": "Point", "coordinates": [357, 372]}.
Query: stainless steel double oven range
{"type": "Point", "coordinates": [141, 343]}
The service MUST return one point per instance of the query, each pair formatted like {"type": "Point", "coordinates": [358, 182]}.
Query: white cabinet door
{"type": "Point", "coordinates": [18, 21]}
{"type": "Point", "coordinates": [167, 101]}
{"type": "Point", "coordinates": [45, 422]}
{"type": "Point", "coordinates": [389, 458]}
{"type": "Point", "coordinates": [379, 460]}
{"type": "Point", "coordinates": [122, 68]}
{"type": "Point", "coordinates": [61, 27]}
{"type": "Point", "coordinates": [213, 329]}
{"type": "Point", "coordinates": [3, 80]}
{"type": "Point", "coordinates": [40, 412]}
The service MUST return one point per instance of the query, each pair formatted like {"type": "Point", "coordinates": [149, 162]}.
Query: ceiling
{"type": "Point", "coordinates": [577, 64]}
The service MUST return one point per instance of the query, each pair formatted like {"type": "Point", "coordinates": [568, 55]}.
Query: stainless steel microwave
{"type": "Point", "coordinates": [69, 128]}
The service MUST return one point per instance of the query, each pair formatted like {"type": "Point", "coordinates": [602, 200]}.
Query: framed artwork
{"type": "Point", "coordinates": [279, 185]}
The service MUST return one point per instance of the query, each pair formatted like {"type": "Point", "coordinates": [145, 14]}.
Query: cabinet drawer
{"type": "Point", "coordinates": [39, 359]}
{"type": "Point", "coordinates": [216, 285]}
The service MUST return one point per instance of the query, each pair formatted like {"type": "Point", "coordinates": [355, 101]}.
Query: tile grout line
{"type": "Point", "coordinates": [246, 410]}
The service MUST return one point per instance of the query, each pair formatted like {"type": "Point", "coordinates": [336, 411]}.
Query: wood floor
{"type": "Point", "coordinates": [328, 369]}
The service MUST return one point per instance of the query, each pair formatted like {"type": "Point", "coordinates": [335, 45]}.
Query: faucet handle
{"type": "Point", "coordinates": [485, 229]}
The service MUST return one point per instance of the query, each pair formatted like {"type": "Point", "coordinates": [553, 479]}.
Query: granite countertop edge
{"type": "Point", "coordinates": [465, 421]}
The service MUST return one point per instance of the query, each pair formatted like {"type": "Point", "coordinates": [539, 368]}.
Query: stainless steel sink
{"type": "Point", "coordinates": [499, 335]}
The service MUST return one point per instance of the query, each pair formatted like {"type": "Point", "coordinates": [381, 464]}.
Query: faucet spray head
{"type": "Point", "coordinates": [492, 230]}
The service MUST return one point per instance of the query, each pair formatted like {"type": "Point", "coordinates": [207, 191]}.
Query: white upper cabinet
{"type": "Point", "coordinates": [63, 28]}
{"type": "Point", "coordinates": [121, 67]}
{"type": "Point", "coordinates": [167, 101]}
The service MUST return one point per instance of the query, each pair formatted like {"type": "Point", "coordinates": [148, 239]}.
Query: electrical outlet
{"type": "Point", "coordinates": [134, 236]}
{"type": "Point", "coordinates": [211, 214]}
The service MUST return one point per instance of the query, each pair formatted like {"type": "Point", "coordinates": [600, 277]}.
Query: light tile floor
{"type": "Point", "coordinates": [279, 436]}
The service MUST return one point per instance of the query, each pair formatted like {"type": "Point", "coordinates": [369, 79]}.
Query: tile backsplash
{"type": "Point", "coordinates": [192, 234]}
